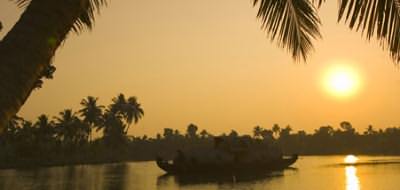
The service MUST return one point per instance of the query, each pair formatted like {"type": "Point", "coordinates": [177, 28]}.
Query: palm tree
{"type": "Point", "coordinates": [113, 128]}
{"type": "Point", "coordinates": [45, 129]}
{"type": "Point", "coordinates": [91, 113]}
{"type": "Point", "coordinates": [70, 130]}
{"type": "Point", "coordinates": [118, 104]}
{"type": "Point", "coordinates": [129, 109]}
{"type": "Point", "coordinates": [45, 24]}
{"type": "Point", "coordinates": [133, 111]}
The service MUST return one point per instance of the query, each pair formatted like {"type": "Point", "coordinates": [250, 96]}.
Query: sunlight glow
{"type": "Point", "coordinates": [352, 181]}
{"type": "Point", "coordinates": [341, 80]}
{"type": "Point", "coordinates": [350, 159]}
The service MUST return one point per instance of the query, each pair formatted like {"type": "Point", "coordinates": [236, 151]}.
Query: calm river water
{"type": "Point", "coordinates": [309, 173]}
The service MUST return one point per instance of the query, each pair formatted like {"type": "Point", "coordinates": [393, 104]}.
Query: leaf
{"type": "Point", "coordinates": [292, 23]}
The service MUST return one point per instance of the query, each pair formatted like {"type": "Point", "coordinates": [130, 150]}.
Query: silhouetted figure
{"type": "Point", "coordinates": [180, 158]}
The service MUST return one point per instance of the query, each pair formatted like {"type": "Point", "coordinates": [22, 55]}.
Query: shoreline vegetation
{"type": "Point", "coordinates": [67, 138]}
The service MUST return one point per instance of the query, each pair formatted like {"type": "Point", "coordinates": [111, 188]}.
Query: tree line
{"type": "Point", "coordinates": [68, 137]}
{"type": "Point", "coordinates": [325, 140]}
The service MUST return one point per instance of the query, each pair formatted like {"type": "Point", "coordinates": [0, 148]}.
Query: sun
{"type": "Point", "coordinates": [341, 81]}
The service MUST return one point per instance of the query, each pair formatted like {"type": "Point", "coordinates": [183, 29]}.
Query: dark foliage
{"type": "Point", "coordinates": [66, 139]}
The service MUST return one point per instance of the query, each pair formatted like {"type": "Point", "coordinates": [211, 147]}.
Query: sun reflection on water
{"type": "Point", "coordinates": [352, 181]}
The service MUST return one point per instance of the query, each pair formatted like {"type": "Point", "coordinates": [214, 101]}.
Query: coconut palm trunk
{"type": "Point", "coordinates": [29, 47]}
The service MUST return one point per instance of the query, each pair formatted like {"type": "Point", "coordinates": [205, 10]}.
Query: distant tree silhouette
{"type": "Point", "coordinates": [70, 129]}
{"type": "Point", "coordinates": [191, 131]}
{"type": "Point", "coordinates": [158, 136]}
{"type": "Point", "coordinates": [233, 134]}
{"type": "Point", "coordinates": [347, 127]}
{"type": "Point", "coordinates": [113, 128]}
{"type": "Point", "coordinates": [257, 130]}
{"type": "Point", "coordinates": [267, 135]}
{"type": "Point", "coordinates": [285, 132]}
{"type": "Point", "coordinates": [45, 129]}
{"type": "Point", "coordinates": [276, 129]}
{"type": "Point", "coordinates": [133, 111]}
{"type": "Point", "coordinates": [324, 131]}
{"type": "Point", "coordinates": [129, 109]}
{"type": "Point", "coordinates": [177, 134]}
{"type": "Point", "coordinates": [204, 134]}
{"type": "Point", "coordinates": [370, 130]}
{"type": "Point", "coordinates": [91, 113]}
{"type": "Point", "coordinates": [168, 133]}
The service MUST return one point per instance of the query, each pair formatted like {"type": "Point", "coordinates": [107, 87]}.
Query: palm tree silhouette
{"type": "Point", "coordinates": [45, 24]}
{"type": "Point", "coordinates": [70, 130]}
{"type": "Point", "coordinates": [133, 111]}
{"type": "Point", "coordinates": [91, 113]}
{"type": "Point", "coordinates": [294, 24]}
{"type": "Point", "coordinates": [257, 131]}
{"type": "Point", "coordinates": [129, 109]}
{"type": "Point", "coordinates": [113, 128]}
{"type": "Point", "coordinates": [118, 104]}
{"type": "Point", "coordinates": [45, 128]}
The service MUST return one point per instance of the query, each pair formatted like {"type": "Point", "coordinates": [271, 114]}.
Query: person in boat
{"type": "Point", "coordinates": [180, 158]}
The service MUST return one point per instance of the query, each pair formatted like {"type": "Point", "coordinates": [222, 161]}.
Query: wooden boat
{"type": "Point", "coordinates": [228, 168]}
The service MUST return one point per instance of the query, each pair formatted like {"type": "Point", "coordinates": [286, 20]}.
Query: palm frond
{"type": "Point", "coordinates": [87, 16]}
{"type": "Point", "coordinates": [378, 19]}
{"type": "Point", "coordinates": [22, 3]}
{"type": "Point", "coordinates": [318, 2]}
{"type": "Point", "coordinates": [293, 23]}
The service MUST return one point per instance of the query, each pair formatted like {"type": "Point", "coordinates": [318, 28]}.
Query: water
{"type": "Point", "coordinates": [325, 172]}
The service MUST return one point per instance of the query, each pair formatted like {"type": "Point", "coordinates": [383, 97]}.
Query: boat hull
{"type": "Point", "coordinates": [230, 168]}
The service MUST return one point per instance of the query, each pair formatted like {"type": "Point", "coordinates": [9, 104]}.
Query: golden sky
{"type": "Point", "coordinates": [207, 62]}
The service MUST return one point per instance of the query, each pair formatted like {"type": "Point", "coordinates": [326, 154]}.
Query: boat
{"type": "Point", "coordinates": [227, 168]}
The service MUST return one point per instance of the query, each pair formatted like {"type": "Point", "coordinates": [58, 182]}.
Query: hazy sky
{"type": "Point", "coordinates": [207, 62]}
